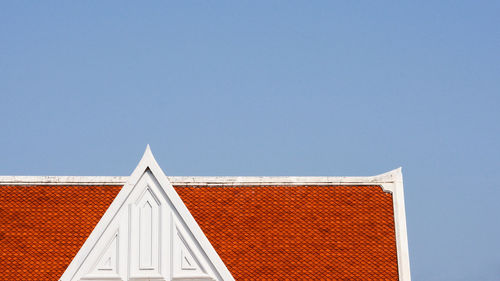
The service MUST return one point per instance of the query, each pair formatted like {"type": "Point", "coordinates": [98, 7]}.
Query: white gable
{"type": "Point", "coordinates": [147, 233]}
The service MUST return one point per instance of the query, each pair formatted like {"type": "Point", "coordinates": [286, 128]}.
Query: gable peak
{"type": "Point", "coordinates": [152, 233]}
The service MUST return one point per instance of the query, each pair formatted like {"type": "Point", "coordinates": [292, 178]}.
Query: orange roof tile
{"type": "Point", "coordinates": [298, 232]}
{"type": "Point", "coordinates": [260, 232]}
{"type": "Point", "coordinates": [43, 227]}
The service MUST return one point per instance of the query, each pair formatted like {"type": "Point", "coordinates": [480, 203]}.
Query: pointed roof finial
{"type": "Point", "coordinates": [147, 157]}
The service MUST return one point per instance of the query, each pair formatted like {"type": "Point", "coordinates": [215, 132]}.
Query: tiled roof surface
{"type": "Point", "coordinates": [272, 232]}
{"type": "Point", "coordinates": [43, 227]}
{"type": "Point", "coordinates": [298, 232]}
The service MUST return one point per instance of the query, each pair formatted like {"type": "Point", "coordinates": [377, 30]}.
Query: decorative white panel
{"type": "Point", "coordinates": [186, 259]}
{"type": "Point", "coordinates": [147, 234]}
{"type": "Point", "coordinates": [107, 264]}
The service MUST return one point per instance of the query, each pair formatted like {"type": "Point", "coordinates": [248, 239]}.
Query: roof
{"type": "Point", "coordinates": [208, 228]}
{"type": "Point", "coordinates": [259, 230]}
{"type": "Point", "coordinates": [42, 227]}
{"type": "Point", "coordinates": [298, 232]}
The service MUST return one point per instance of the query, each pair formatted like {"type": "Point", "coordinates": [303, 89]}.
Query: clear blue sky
{"type": "Point", "coordinates": [271, 88]}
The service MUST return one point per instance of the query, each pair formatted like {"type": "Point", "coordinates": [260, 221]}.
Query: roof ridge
{"type": "Point", "coordinates": [389, 177]}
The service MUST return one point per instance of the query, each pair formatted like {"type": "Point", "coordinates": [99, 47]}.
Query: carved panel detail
{"type": "Point", "coordinates": [186, 258]}
{"type": "Point", "coordinates": [107, 263]}
{"type": "Point", "coordinates": [145, 234]}
{"type": "Point", "coordinates": [187, 261]}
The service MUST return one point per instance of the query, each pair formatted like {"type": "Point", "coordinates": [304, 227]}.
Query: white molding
{"type": "Point", "coordinates": [398, 200]}
{"type": "Point", "coordinates": [388, 177]}
{"type": "Point", "coordinates": [61, 180]}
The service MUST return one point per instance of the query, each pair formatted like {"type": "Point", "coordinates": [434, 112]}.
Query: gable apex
{"type": "Point", "coordinates": [147, 233]}
{"type": "Point", "coordinates": [147, 161]}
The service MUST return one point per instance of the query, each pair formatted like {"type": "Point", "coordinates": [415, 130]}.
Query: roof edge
{"type": "Point", "coordinates": [62, 180]}
{"type": "Point", "coordinates": [393, 176]}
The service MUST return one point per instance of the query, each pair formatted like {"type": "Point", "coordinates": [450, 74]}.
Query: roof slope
{"type": "Point", "coordinates": [260, 232]}
{"type": "Point", "coordinates": [43, 227]}
{"type": "Point", "coordinates": [299, 232]}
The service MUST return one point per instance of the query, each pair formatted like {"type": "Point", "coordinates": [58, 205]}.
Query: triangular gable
{"type": "Point", "coordinates": [147, 233]}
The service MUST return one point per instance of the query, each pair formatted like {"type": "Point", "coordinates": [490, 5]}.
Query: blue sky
{"type": "Point", "coordinates": [270, 88]}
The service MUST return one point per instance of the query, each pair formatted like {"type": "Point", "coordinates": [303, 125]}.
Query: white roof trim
{"type": "Point", "coordinates": [61, 180]}
{"type": "Point", "coordinates": [389, 177]}
{"type": "Point", "coordinates": [398, 200]}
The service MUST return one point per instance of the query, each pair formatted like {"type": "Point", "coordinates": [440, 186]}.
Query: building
{"type": "Point", "coordinates": [149, 226]}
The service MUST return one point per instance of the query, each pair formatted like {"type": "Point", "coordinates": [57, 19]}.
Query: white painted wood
{"type": "Point", "coordinates": [145, 231]}
{"type": "Point", "coordinates": [190, 262]}
{"type": "Point", "coordinates": [146, 234]}
{"type": "Point", "coordinates": [400, 224]}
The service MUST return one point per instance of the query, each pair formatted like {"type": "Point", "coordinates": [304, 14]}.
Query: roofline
{"type": "Point", "coordinates": [391, 182]}
{"type": "Point", "coordinates": [61, 180]}
{"type": "Point", "coordinates": [389, 177]}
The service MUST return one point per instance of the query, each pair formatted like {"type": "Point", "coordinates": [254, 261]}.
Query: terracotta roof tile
{"type": "Point", "coordinates": [43, 227]}
{"type": "Point", "coordinates": [298, 232]}
{"type": "Point", "coordinates": [264, 233]}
